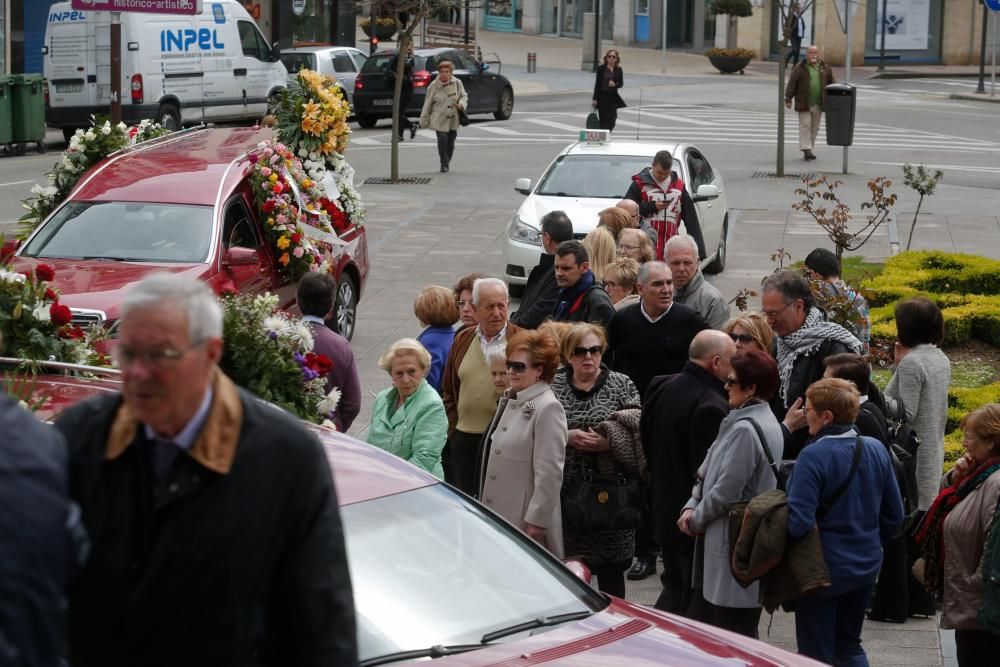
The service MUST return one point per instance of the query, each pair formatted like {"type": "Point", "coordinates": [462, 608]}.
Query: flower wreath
{"type": "Point", "coordinates": [36, 327]}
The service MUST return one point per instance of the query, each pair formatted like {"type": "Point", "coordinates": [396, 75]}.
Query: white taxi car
{"type": "Point", "coordinates": [590, 176]}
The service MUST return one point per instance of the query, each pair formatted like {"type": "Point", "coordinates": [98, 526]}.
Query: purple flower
{"type": "Point", "coordinates": [299, 358]}
{"type": "Point", "coordinates": [273, 335]}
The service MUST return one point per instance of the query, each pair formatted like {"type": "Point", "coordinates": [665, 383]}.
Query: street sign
{"type": "Point", "coordinates": [842, 6]}
{"type": "Point", "coordinates": [149, 6]}
{"type": "Point", "coordinates": [994, 5]}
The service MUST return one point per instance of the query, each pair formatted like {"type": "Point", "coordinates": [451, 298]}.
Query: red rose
{"type": "Point", "coordinates": [72, 331]}
{"type": "Point", "coordinates": [296, 238]}
{"type": "Point", "coordinates": [45, 272]}
{"type": "Point", "coordinates": [268, 206]}
{"type": "Point", "coordinates": [60, 314]}
{"type": "Point", "coordinates": [50, 295]}
{"type": "Point", "coordinates": [319, 363]}
{"type": "Point", "coordinates": [277, 188]}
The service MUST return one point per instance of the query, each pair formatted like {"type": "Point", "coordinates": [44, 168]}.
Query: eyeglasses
{"type": "Point", "coordinates": [609, 285]}
{"type": "Point", "coordinates": [156, 358]}
{"type": "Point", "coordinates": [771, 314]}
{"type": "Point", "coordinates": [627, 247]}
{"type": "Point", "coordinates": [594, 351]}
{"type": "Point", "coordinates": [731, 382]}
{"type": "Point", "coordinates": [517, 366]}
{"type": "Point", "coordinates": [746, 339]}
{"type": "Point", "coordinates": [463, 304]}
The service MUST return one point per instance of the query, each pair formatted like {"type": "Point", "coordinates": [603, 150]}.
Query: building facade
{"type": "Point", "coordinates": [917, 31]}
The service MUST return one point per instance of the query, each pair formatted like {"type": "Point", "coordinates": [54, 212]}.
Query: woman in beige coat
{"type": "Point", "coordinates": [526, 443]}
{"type": "Point", "coordinates": [444, 99]}
{"type": "Point", "coordinates": [974, 487]}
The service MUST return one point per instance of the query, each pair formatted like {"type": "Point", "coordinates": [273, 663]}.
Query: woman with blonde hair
{"type": "Point", "coordinates": [750, 330]}
{"type": "Point", "coordinates": [408, 418]}
{"type": "Point", "coordinates": [636, 244]}
{"type": "Point", "coordinates": [601, 249]}
{"type": "Point", "coordinates": [522, 467]}
{"type": "Point", "coordinates": [621, 280]}
{"type": "Point", "coordinates": [558, 331]}
{"type": "Point", "coordinates": [615, 219]}
{"type": "Point", "coordinates": [436, 311]}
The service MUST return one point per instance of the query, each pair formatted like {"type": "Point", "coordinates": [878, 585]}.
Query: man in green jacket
{"type": "Point", "coordinates": [807, 86]}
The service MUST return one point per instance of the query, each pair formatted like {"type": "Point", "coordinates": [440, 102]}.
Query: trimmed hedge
{"type": "Point", "coordinates": [962, 401]}
{"type": "Point", "coordinates": [965, 287]}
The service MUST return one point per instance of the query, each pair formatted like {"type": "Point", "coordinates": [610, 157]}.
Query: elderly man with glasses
{"type": "Point", "coordinates": [215, 529]}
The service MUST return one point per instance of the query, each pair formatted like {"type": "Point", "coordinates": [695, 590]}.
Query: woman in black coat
{"type": "Point", "coordinates": [606, 98]}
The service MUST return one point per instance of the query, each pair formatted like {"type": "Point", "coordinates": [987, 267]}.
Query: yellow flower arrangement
{"type": "Point", "coordinates": [312, 113]}
{"type": "Point", "coordinates": [283, 243]}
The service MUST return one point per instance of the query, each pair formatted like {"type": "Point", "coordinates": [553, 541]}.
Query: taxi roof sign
{"type": "Point", "coordinates": [595, 136]}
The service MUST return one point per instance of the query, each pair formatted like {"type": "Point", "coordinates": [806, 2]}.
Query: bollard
{"type": "Point", "coordinates": [531, 62]}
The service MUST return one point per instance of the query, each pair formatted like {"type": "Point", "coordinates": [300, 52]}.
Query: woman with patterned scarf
{"type": "Point", "coordinates": [953, 533]}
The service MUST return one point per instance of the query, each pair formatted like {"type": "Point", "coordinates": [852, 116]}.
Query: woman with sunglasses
{"type": "Point", "coordinates": [606, 98]}
{"type": "Point", "coordinates": [590, 393]}
{"type": "Point", "coordinates": [736, 468]}
{"type": "Point", "coordinates": [750, 330]}
{"type": "Point", "coordinates": [522, 467]}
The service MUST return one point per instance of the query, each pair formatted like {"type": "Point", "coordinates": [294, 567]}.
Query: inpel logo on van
{"type": "Point", "coordinates": [202, 39]}
{"type": "Point", "coordinates": [63, 17]}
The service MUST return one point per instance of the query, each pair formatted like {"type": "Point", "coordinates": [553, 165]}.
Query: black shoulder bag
{"type": "Point", "coordinates": [780, 474]}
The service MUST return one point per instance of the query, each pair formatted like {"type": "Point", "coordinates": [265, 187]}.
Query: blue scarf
{"type": "Point", "coordinates": [570, 298]}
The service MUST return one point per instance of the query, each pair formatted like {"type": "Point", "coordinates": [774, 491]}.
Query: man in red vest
{"type": "Point", "coordinates": [664, 203]}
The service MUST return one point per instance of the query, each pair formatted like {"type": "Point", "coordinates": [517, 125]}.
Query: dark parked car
{"type": "Point", "coordinates": [488, 92]}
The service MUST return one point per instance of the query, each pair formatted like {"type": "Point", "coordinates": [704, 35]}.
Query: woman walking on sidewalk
{"type": "Point", "coordinates": [606, 98]}
{"type": "Point", "coordinates": [445, 99]}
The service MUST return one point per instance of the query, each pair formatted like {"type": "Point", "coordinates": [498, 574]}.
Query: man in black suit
{"type": "Point", "coordinates": [541, 291]}
{"type": "Point", "coordinates": [680, 420]}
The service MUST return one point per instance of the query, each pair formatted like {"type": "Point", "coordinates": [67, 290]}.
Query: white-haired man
{"type": "Point", "coordinates": [216, 536]}
{"type": "Point", "coordinates": [467, 386]}
{"type": "Point", "coordinates": [690, 286]}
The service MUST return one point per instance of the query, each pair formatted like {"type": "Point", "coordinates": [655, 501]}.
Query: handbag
{"type": "Point", "coordinates": [463, 118]}
{"type": "Point", "coordinates": [602, 502]}
{"type": "Point", "coordinates": [593, 120]}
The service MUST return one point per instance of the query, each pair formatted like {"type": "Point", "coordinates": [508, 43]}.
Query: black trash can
{"type": "Point", "coordinates": [841, 100]}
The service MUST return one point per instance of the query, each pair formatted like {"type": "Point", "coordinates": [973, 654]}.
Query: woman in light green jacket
{"type": "Point", "coordinates": [445, 97]}
{"type": "Point", "coordinates": [408, 419]}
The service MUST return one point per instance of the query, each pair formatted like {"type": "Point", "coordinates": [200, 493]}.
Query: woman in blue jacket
{"type": "Point", "coordinates": [854, 524]}
{"type": "Point", "coordinates": [408, 419]}
{"type": "Point", "coordinates": [437, 311]}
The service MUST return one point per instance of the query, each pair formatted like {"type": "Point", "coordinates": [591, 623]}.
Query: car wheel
{"type": "Point", "coordinates": [169, 117]}
{"type": "Point", "coordinates": [345, 307]}
{"type": "Point", "coordinates": [718, 264]}
{"type": "Point", "coordinates": [505, 105]}
{"type": "Point", "coordinates": [367, 122]}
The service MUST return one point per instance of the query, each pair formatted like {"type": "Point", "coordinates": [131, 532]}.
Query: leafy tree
{"type": "Point", "coordinates": [734, 9]}
{"type": "Point", "coordinates": [920, 179]}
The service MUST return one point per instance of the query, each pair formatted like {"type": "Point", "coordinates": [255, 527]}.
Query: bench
{"type": "Point", "coordinates": [451, 35]}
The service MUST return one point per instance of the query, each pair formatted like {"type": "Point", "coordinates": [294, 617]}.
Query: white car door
{"type": "Point", "coordinates": [345, 70]}
{"type": "Point", "coordinates": [711, 212]}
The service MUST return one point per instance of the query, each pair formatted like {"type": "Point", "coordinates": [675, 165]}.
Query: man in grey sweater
{"type": "Point", "coordinates": [690, 286]}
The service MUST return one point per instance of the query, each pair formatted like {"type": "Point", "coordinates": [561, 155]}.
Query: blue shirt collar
{"type": "Point", "coordinates": [185, 439]}
{"type": "Point", "coordinates": [313, 318]}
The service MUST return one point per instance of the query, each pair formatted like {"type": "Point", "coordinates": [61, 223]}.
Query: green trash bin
{"type": "Point", "coordinates": [28, 109]}
{"type": "Point", "coordinates": [5, 110]}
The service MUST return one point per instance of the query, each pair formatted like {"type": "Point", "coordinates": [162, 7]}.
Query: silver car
{"type": "Point", "coordinates": [339, 62]}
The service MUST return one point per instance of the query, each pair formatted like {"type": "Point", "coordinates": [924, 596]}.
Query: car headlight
{"type": "Point", "coordinates": [524, 233]}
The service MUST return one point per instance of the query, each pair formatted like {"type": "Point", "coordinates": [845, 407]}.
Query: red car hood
{"type": "Point", "coordinates": [101, 285]}
{"type": "Point", "coordinates": [627, 634]}
{"type": "Point", "coordinates": [50, 394]}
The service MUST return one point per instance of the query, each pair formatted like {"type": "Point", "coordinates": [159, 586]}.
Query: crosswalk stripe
{"type": "Point", "coordinates": [675, 118]}
{"type": "Point", "coordinates": [495, 129]}
{"type": "Point", "coordinates": [552, 123]}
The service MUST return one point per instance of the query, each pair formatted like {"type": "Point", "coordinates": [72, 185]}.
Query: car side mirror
{"type": "Point", "coordinates": [9, 248]}
{"type": "Point", "coordinates": [275, 53]}
{"type": "Point", "coordinates": [484, 67]}
{"type": "Point", "coordinates": [706, 192]}
{"type": "Point", "coordinates": [240, 256]}
{"type": "Point", "coordinates": [580, 569]}
{"type": "Point", "coordinates": [523, 185]}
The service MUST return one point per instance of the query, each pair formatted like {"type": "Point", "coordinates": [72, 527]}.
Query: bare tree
{"type": "Point", "coordinates": [784, 9]}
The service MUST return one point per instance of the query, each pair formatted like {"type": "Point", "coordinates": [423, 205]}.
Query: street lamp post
{"type": "Point", "coordinates": [981, 88]}
{"type": "Point", "coordinates": [881, 51]}
{"type": "Point", "coordinates": [597, 34]}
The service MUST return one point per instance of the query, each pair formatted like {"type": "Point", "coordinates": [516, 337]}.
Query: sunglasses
{"type": "Point", "coordinates": [516, 366]}
{"type": "Point", "coordinates": [741, 338]}
{"type": "Point", "coordinates": [594, 351]}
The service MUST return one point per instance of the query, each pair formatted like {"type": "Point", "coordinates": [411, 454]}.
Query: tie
{"type": "Point", "coordinates": [164, 454]}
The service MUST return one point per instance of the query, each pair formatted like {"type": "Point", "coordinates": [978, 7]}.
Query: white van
{"type": "Point", "coordinates": [212, 66]}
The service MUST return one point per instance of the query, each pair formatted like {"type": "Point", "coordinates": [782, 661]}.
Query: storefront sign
{"type": "Point", "coordinates": [907, 25]}
{"type": "Point", "coordinates": [184, 7]}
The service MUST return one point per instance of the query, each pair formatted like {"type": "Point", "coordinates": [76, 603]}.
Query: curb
{"type": "Point", "coordinates": [923, 75]}
{"type": "Point", "coordinates": [983, 97]}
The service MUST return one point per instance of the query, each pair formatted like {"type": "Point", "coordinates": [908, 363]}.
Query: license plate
{"type": "Point", "coordinates": [383, 103]}
{"type": "Point", "coordinates": [69, 87]}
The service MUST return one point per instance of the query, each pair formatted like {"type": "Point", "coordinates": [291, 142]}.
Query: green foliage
{"type": "Point", "coordinates": [729, 53]}
{"type": "Point", "coordinates": [962, 401]}
{"type": "Point", "coordinates": [731, 7]}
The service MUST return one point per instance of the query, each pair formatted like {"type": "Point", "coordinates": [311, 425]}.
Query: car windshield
{"type": "Point", "coordinates": [125, 231]}
{"type": "Point", "coordinates": [599, 176]}
{"type": "Point", "coordinates": [380, 63]}
{"type": "Point", "coordinates": [431, 568]}
{"type": "Point", "coordinates": [294, 62]}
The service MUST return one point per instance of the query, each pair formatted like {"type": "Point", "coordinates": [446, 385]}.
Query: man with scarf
{"type": "Point", "coordinates": [664, 203]}
{"type": "Point", "coordinates": [581, 297]}
{"type": "Point", "coordinates": [804, 340]}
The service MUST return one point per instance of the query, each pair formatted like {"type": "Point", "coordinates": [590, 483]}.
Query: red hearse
{"type": "Point", "coordinates": [436, 575]}
{"type": "Point", "coordinates": [181, 203]}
